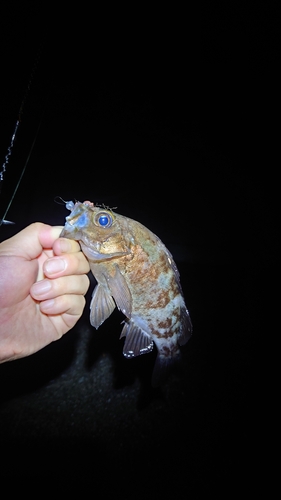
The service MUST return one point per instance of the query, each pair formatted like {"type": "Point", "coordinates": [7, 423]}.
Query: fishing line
{"type": "Point", "coordinates": [10, 148]}
{"type": "Point", "coordinates": [3, 220]}
{"type": "Point", "coordinates": [9, 152]}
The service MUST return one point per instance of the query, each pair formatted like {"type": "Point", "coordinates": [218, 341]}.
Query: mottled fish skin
{"type": "Point", "coordinates": [133, 267]}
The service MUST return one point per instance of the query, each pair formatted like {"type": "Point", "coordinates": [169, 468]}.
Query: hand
{"type": "Point", "coordinates": [42, 286]}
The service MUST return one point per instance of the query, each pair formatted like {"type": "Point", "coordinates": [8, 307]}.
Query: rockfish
{"type": "Point", "coordinates": [135, 272]}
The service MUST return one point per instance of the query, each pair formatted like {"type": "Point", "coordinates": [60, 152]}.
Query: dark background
{"type": "Point", "coordinates": [168, 116]}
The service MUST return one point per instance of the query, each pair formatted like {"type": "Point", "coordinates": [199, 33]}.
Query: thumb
{"type": "Point", "coordinates": [30, 242]}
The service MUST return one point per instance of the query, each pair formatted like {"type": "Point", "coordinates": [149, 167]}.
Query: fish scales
{"type": "Point", "coordinates": [135, 272]}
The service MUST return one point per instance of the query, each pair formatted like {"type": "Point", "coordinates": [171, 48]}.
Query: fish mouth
{"type": "Point", "coordinates": [89, 249]}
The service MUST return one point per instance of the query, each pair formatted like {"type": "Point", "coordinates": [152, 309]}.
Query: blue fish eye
{"type": "Point", "coordinates": [103, 219]}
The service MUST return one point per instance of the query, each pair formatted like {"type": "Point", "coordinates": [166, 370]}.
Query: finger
{"type": "Point", "coordinates": [71, 305]}
{"type": "Point", "coordinates": [50, 289]}
{"type": "Point", "coordinates": [49, 234]}
{"type": "Point", "coordinates": [30, 241]}
{"type": "Point", "coordinates": [66, 265]}
{"type": "Point", "coordinates": [65, 245]}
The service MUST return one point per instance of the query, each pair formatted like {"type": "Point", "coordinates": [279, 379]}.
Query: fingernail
{"type": "Point", "coordinates": [55, 265]}
{"type": "Point", "coordinates": [41, 287]}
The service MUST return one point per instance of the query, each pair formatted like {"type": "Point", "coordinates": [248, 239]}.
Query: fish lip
{"type": "Point", "coordinates": [94, 254]}
{"type": "Point", "coordinates": [89, 251]}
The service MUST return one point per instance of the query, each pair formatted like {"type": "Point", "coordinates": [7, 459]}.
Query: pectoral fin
{"type": "Point", "coordinates": [137, 341]}
{"type": "Point", "coordinates": [102, 305]}
{"type": "Point", "coordinates": [121, 292]}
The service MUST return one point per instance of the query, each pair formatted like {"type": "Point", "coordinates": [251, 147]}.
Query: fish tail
{"type": "Point", "coordinates": [163, 367]}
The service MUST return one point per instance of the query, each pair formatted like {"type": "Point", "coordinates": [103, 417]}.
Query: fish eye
{"type": "Point", "coordinates": [103, 219]}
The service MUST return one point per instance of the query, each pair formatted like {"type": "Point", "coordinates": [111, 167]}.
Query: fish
{"type": "Point", "coordinates": [137, 273]}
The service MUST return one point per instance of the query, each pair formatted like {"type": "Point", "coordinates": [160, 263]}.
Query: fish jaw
{"type": "Point", "coordinates": [73, 228]}
{"type": "Point", "coordinates": [97, 243]}
{"type": "Point", "coordinates": [90, 248]}
{"type": "Point", "coordinates": [94, 255]}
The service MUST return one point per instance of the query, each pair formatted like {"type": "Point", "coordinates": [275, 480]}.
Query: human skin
{"type": "Point", "coordinates": [43, 282]}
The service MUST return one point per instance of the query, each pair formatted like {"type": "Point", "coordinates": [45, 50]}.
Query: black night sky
{"type": "Point", "coordinates": [167, 116]}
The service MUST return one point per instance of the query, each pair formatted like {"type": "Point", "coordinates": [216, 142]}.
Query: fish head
{"type": "Point", "coordinates": [97, 229]}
